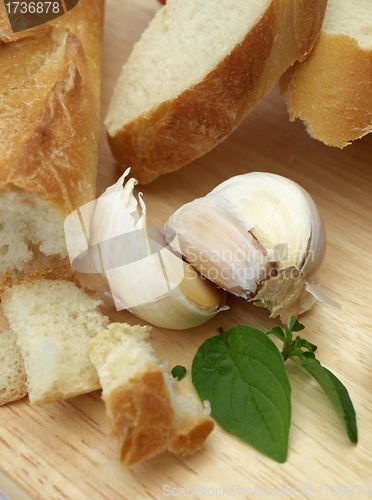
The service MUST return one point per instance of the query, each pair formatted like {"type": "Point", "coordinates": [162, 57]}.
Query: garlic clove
{"type": "Point", "coordinates": [191, 304]}
{"type": "Point", "coordinates": [214, 242]}
{"type": "Point", "coordinates": [266, 213]}
{"type": "Point", "coordinates": [143, 274]}
{"type": "Point", "coordinates": [165, 291]}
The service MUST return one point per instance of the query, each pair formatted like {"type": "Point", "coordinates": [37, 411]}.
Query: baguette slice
{"type": "Point", "coordinates": [50, 124]}
{"type": "Point", "coordinates": [198, 69]}
{"type": "Point", "coordinates": [12, 371]}
{"type": "Point", "coordinates": [143, 407]}
{"type": "Point", "coordinates": [332, 90]}
{"type": "Point", "coordinates": [54, 319]}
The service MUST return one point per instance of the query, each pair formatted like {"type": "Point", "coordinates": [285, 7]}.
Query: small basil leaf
{"type": "Point", "coordinates": [179, 372]}
{"type": "Point", "coordinates": [288, 333]}
{"type": "Point", "coordinates": [308, 354]}
{"type": "Point", "coordinates": [297, 326]}
{"type": "Point", "coordinates": [336, 393]}
{"type": "Point", "coordinates": [242, 375]}
{"type": "Point", "coordinates": [298, 341]}
{"type": "Point", "coordinates": [292, 323]}
{"type": "Point", "coordinates": [308, 345]}
{"type": "Point", "coordinates": [278, 332]}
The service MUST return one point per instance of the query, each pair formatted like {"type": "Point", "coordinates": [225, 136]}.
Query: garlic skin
{"type": "Point", "coordinates": [258, 236]}
{"type": "Point", "coordinates": [143, 274]}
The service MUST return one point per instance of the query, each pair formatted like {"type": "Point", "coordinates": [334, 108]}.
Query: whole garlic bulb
{"type": "Point", "coordinates": [258, 236]}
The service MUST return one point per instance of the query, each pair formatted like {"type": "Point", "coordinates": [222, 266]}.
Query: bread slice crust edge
{"type": "Point", "coordinates": [331, 91]}
{"type": "Point", "coordinates": [58, 160]}
{"type": "Point", "coordinates": [185, 127]}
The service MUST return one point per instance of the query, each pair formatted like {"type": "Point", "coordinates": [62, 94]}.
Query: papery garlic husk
{"type": "Point", "coordinates": [258, 236]}
{"type": "Point", "coordinates": [144, 275]}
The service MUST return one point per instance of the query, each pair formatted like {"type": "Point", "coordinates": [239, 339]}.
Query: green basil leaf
{"type": "Point", "coordinates": [308, 354]}
{"type": "Point", "coordinates": [308, 345]}
{"type": "Point", "coordinates": [292, 322]}
{"type": "Point", "coordinates": [288, 333]}
{"type": "Point", "coordinates": [295, 325]}
{"type": "Point", "coordinates": [278, 332]}
{"type": "Point", "coordinates": [179, 372]}
{"type": "Point", "coordinates": [242, 375]}
{"type": "Point", "coordinates": [336, 393]}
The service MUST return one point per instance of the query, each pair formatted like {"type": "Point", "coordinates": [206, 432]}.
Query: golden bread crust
{"type": "Point", "coordinates": [332, 91]}
{"type": "Point", "coordinates": [142, 418]}
{"type": "Point", "coordinates": [186, 127]}
{"type": "Point", "coordinates": [16, 393]}
{"type": "Point", "coordinates": [192, 436]}
{"type": "Point", "coordinates": [9, 394]}
{"type": "Point", "coordinates": [50, 147]}
{"type": "Point", "coordinates": [307, 22]}
{"type": "Point", "coordinates": [51, 273]}
{"type": "Point", "coordinates": [140, 415]}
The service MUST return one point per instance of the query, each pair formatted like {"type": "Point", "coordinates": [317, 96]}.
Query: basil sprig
{"type": "Point", "coordinates": [241, 373]}
{"type": "Point", "coordinates": [302, 353]}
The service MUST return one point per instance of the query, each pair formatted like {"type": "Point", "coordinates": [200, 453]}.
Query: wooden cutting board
{"type": "Point", "coordinates": [64, 451]}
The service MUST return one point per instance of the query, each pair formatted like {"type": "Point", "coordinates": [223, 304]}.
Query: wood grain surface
{"type": "Point", "coordinates": [64, 450]}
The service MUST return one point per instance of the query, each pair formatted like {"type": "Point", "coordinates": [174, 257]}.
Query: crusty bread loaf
{"type": "Point", "coordinates": [12, 370]}
{"type": "Point", "coordinates": [144, 409]}
{"type": "Point", "coordinates": [332, 90]}
{"type": "Point", "coordinates": [49, 121]}
{"type": "Point", "coordinates": [54, 318]}
{"type": "Point", "coordinates": [196, 72]}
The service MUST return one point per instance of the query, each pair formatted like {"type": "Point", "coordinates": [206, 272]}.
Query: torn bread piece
{"type": "Point", "coordinates": [331, 91]}
{"type": "Point", "coordinates": [54, 318]}
{"type": "Point", "coordinates": [197, 70]}
{"type": "Point", "coordinates": [50, 128]}
{"type": "Point", "coordinates": [144, 409]}
{"type": "Point", "coordinates": [12, 371]}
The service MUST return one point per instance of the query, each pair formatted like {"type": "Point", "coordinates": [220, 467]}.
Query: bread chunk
{"type": "Point", "coordinates": [332, 90]}
{"type": "Point", "coordinates": [50, 125]}
{"type": "Point", "coordinates": [53, 318]}
{"type": "Point", "coordinates": [12, 370]}
{"type": "Point", "coordinates": [144, 409]}
{"type": "Point", "coordinates": [197, 70]}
